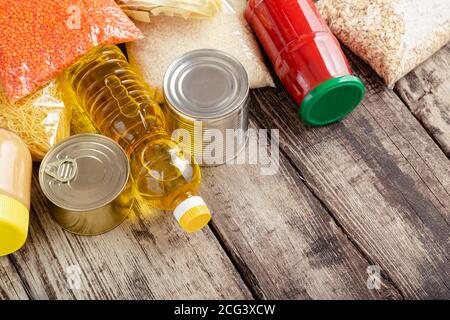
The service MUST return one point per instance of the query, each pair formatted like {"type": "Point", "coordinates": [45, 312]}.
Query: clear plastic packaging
{"type": "Point", "coordinates": [15, 190]}
{"type": "Point", "coordinates": [393, 36]}
{"type": "Point", "coordinates": [39, 39]}
{"type": "Point", "coordinates": [144, 10]}
{"type": "Point", "coordinates": [120, 105]}
{"type": "Point", "coordinates": [41, 120]}
{"type": "Point", "coordinates": [80, 121]}
{"type": "Point", "coordinates": [167, 38]}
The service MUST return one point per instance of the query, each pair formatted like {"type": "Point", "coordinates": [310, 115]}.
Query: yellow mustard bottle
{"type": "Point", "coordinates": [15, 190]}
{"type": "Point", "coordinates": [120, 105]}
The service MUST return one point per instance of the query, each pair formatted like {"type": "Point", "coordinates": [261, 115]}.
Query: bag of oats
{"type": "Point", "coordinates": [393, 36]}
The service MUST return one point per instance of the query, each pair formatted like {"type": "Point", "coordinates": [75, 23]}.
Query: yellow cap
{"type": "Point", "coordinates": [14, 219]}
{"type": "Point", "coordinates": [192, 214]}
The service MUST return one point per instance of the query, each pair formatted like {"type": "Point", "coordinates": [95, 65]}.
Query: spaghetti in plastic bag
{"type": "Point", "coordinates": [143, 10]}
{"type": "Point", "coordinates": [393, 36]}
{"type": "Point", "coordinates": [41, 120]}
{"type": "Point", "coordinates": [40, 38]}
{"type": "Point", "coordinates": [80, 121]}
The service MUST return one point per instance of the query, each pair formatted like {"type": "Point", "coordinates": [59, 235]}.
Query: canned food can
{"type": "Point", "coordinates": [207, 105]}
{"type": "Point", "coordinates": [86, 180]}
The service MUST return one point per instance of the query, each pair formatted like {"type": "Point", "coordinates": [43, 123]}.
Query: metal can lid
{"type": "Point", "coordinates": [84, 172]}
{"type": "Point", "coordinates": [206, 84]}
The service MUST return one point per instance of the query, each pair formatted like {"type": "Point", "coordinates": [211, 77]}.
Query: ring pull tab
{"type": "Point", "coordinates": [62, 170]}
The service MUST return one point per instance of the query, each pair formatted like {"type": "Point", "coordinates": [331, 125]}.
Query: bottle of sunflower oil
{"type": "Point", "coordinates": [120, 105]}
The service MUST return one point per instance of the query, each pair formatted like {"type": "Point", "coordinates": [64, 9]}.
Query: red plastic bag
{"type": "Point", "coordinates": [40, 38]}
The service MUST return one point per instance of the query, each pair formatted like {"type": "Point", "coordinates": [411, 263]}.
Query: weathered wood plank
{"type": "Point", "coordinates": [282, 239]}
{"type": "Point", "coordinates": [386, 186]}
{"type": "Point", "coordinates": [382, 178]}
{"type": "Point", "coordinates": [426, 91]}
{"type": "Point", "coordinates": [147, 257]}
{"type": "Point", "coordinates": [11, 287]}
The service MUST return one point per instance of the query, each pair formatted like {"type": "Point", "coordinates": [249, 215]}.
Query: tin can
{"type": "Point", "coordinates": [307, 58]}
{"type": "Point", "coordinates": [207, 105]}
{"type": "Point", "coordinates": [86, 180]}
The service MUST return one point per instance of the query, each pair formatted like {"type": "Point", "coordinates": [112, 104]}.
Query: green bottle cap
{"type": "Point", "coordinates": [331, 101]}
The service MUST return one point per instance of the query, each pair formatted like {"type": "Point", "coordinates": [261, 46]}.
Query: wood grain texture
{"type": "Point", "coordinates": [147, 257]}
{"type": "Point", "coordinates": [282, 239]}
{"type": "Point", "coordinates": [11, 287]}
{"type": "Point", "coordinates": [372, 189]}
{"type": "Point", "coordinates": [381, 177]}
{"type": "Point", "coordinates": [426, 91]}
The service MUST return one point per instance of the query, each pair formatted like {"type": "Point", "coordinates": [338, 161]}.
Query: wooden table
{"type": "Point", "coordinates": [372, 190]}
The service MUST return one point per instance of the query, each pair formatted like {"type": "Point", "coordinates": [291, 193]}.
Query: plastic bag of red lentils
{"type": "Point", "coordinates": [40, 38]}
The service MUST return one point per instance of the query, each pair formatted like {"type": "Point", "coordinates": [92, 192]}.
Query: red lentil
{"type": "Point", "coordinates": [40, 38]}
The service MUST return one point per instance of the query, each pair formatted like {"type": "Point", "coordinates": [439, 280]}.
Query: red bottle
{"type": "Point", "coordinates": [307, 58]}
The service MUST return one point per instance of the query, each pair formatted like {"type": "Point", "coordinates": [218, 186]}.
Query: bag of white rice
{"type": "Point", "coordinates": [167, 38]}
{"type": "Point", "coordinates": [393, 36]}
